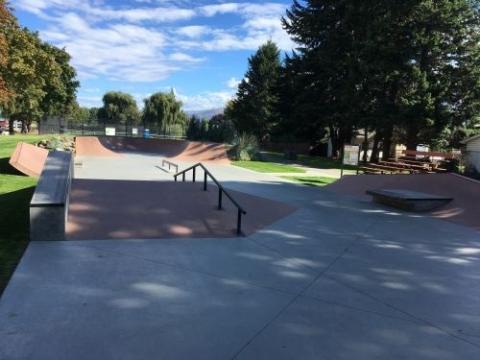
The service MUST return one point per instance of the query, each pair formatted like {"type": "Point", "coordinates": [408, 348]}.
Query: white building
{"type": "Point", "coordinates": [472, 152]}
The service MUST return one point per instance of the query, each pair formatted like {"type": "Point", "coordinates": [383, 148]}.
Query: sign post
{"type": "Point", "coordinates": [351, 156]}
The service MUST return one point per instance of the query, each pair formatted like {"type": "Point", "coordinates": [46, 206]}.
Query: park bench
{"type": "Point", "coordinates": [372, 170]}
{"type": "Point", "coordinates": [390, 167]}
{"type": "Point", "coordinates": [49, 204]}
{"type": "Point", "coordinates": [399, 165]}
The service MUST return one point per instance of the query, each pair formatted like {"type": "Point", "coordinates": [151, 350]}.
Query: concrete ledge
{"type": "Point", "coordinates": [49, 204]}
{"type": "Point", "coordinates": [408, 200]}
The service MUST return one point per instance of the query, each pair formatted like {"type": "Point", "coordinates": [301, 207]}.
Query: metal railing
{"type": "Point", "coordinates": [170, 165]}
{"type": "Point", "coordinates": [221, 190]}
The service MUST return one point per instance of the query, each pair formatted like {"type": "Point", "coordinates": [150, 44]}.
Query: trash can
{"type": "Point", "coordinates": [146, 134]}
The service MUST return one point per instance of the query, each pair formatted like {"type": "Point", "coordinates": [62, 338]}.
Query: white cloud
{"type": "Point", "coordinates": [119, 51]}
{"type": "Point", "coordinates": [125, 42]}
{"type": "Point", "coordinates": [212, 10]}
{"type": "Point", "coordinates": [90, 101]}
{"type": "Point", "coordinates": [193, 31]}
{"type": "Point", "coordinates": [184, 58]}
{"type": "Point", "coordinates": [206, 100]}
{"type": "Point", "coordinates": [233, 83]}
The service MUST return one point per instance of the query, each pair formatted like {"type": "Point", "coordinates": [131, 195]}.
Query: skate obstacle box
{"type": "Point", "coordinates": [49, 204]}
{"type": "Point", "coordinates": [408, 200]}
{"type": "Point", "coordinates": [28, 159]}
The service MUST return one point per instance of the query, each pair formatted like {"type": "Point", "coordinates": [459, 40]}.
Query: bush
{"type": "Point", "coordinates": [245, 147]}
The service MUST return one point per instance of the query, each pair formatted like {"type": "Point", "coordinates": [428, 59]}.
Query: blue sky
{"type": "Point", "coordinates": [199, 48]}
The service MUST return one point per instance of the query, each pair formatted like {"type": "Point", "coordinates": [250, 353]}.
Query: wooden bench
{"type": "Point", "coordinates": [370, 170]}
{"type": "Point", "coordinates": [399, 165]}
{"type": "Point", "coordinates": [49, 204]}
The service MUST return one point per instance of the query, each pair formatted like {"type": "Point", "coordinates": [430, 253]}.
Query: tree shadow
{"type": "Point", "coordinates": [7, 169]}
{"type": "Point", "coordinates": [14, 230]}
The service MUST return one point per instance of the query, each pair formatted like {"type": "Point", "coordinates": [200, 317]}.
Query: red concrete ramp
{"type": "Point", "coordinates": [91, 146]}
{"type": "Point", "coordinates": [464, 209]}
{"type": "Point", "coordinates": [114, 209]}
{"type": "Point", "coordinates": [28, 159]}
{"type": "Point", "coordinates": [180, 150]}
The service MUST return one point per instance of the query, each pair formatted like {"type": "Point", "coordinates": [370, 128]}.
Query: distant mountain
{"type": "Point", "coordinates": [205, 114]}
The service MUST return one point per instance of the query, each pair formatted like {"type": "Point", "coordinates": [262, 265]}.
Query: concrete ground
{"type": "Point", "coordinates": [339, 278]}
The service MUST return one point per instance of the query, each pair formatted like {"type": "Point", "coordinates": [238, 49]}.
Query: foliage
{"type": "Point", "coordinates": [220, 129]}
{"type": "Point", "coordinates": [267, 167]}
{"type": "Point", "coordinates": [408, 67]}
{"type": "Point", "coordinates": [15, 193]}
{"type": "Point", "coordinates": [217, 129]}
{"type": "Point", "coordinates": [245, 147]}
{"type": "Point", "coordinates": [311, 180]}
{"type": "Point", "coordinates": [163, 112]}
{"type": "Point", "coordinates": [254, 110]}
{"type": "Point", "coordinates": [119, 108]}
{"type": "Point", "coordinates": [7, 21]}
{"type": "Point", "coordinates": [36, 79]}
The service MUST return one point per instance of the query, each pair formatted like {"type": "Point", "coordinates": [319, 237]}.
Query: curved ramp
{"type": "Point", "coordinates": [28, 159]}
{"type": "Point", "coordinates": [180, 150]}
{"type": "Point", "coordinates": [464, 191]}
{"type": "Point", "coordinates": [91, 146]}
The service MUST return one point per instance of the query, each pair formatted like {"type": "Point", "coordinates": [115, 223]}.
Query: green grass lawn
{"type": "Point", "coordinates": [311, 180]}
{"type": "Point", "coordinates": [317, 162]}
{"type": "Point", "coordinates": [15, 193]}
{"type": "Point", "coordinates": [267, 167]}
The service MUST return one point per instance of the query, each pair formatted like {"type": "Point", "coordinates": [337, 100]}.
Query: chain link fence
{"type": "Point", "coordinates": [56, 126]}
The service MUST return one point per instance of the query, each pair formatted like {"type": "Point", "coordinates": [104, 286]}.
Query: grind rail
{"type": "Point", "coordinates": [170, 165]}
{"type": "Point", "coordinates": [221, 190]}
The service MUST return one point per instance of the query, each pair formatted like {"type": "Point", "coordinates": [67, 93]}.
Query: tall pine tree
{"type": "Point", "coordinates": [408, 67]}
{"type": "Point", "coordinates": [254, 110]}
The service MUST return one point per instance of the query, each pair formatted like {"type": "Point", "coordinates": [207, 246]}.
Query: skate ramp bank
{"type": "Point", "coordinates": [28, 159]}
{"type": "Point", "coordinates": [181, 150]}
{"type": "Point", "coordinates": [156, 210]}
{"type": "Point", "coordinates": [92, 146]}
{"type": "Point", "coordinates": [463, 209]}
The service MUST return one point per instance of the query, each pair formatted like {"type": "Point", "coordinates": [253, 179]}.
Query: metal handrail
{"type": "Point", "coordinates": [221, 190]}
{"type": "Point", "coordinates": [170, 164]}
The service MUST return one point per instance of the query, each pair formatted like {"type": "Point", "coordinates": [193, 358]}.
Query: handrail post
{"type": "Point", "coordinates": [204, 181]}
{"type": "Point", "coordinates": [183, 177]}
{"type": "Point", "coordinates": [239, 222]}
{"type": "Point", "coordinates": [219, 198]}
{"type": "Point", "coordinates": [175, 177]}
{"type": "Point", "coordinates": [194, 173]}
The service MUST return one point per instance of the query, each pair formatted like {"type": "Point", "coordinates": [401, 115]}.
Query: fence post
{"type": "Point", "coordinates": [183, 177]}
{"type": "Point", "coordinates": [205, 180]}
{"type": "Point", "coordinates": [194, 174]}
{"type": "Point", "coordinates": [219, 198]}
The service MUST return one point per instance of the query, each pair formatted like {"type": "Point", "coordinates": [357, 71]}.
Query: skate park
{"type": "Point", "coordinates": [314, 270]}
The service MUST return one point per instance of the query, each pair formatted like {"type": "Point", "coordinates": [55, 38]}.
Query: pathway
{"type": "Point", "coordinates": [337, 279]}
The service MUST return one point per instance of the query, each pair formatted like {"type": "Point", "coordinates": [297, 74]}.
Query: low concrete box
{"type": "Point", "coordinates": [49, 204]}
{"type": "Point", "coordinates": [408, 200]}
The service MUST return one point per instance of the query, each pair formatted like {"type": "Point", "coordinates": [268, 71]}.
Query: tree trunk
{"type": "Point", "coordinates": [412, 138]}
{"type": "Point", "coordinates": [10, 126]}
{"type": "Point", "coordinates": [376, 141]}
{"type": "Point", "coordinates": [344, 137]}
{"type": "Point", "coordinates": [24, 127]}
{"type": "Point", "coordinates": [365, 146]}
{"type": "Point", "coordinates": [334, 139]}
{"type": "Point", "coordinates": [387, 143]}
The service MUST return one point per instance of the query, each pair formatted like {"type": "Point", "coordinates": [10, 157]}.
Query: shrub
{"type": "Point", "coordinates": [245, 147]}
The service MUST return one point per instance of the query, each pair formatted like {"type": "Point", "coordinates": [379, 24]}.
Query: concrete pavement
{"type": "Point", "coordinates": [339, 278]}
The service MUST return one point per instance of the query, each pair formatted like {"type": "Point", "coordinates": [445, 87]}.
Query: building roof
{"type": "Point", "coordinates": [471, 138]}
